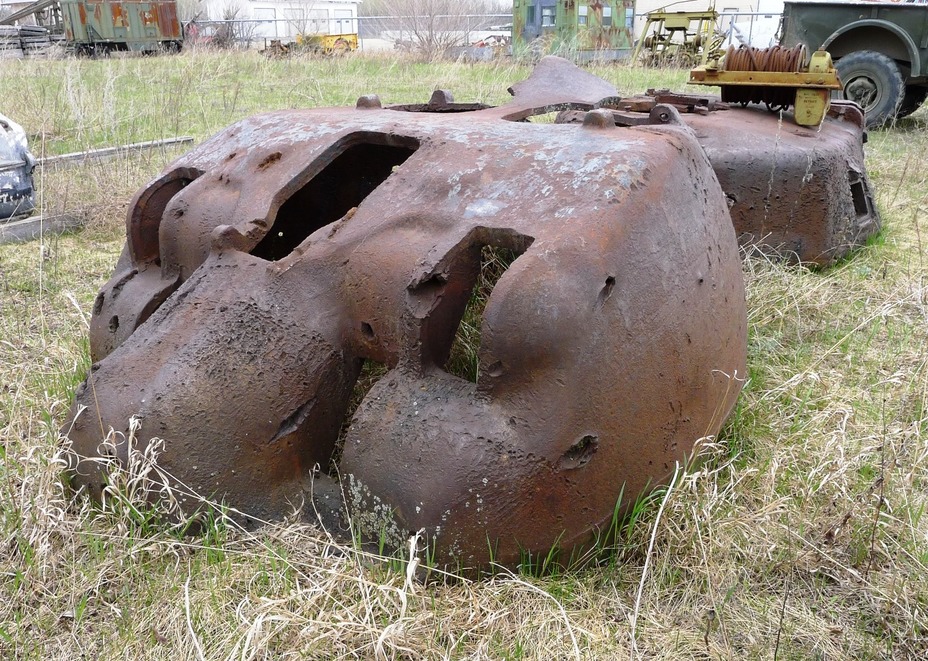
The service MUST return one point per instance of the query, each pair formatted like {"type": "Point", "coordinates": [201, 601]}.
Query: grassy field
{"type": "Point", "coordinates": [800, 536]}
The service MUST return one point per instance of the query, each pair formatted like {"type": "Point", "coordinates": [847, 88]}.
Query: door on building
{"type": "Point", "coordinates": [267, 28]}
{"type": "Point", "coordinates": [344, 22]}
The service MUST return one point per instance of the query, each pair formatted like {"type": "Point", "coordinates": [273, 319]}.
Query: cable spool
{"type": "Point", "coordinates": [776, 58]}
{"type": "Point", "coordinates": [779, 77]}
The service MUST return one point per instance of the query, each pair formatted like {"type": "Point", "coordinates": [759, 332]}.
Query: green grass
{"type": "Point", "coordinates": [804, 522]}
{"type": "Point", "coordinates": [76, 104]}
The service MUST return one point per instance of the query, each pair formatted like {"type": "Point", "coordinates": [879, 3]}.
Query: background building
{"type": "Point", "coordinates": [754, 19]}
{"type": "Point", "coordinates": [282, 19]}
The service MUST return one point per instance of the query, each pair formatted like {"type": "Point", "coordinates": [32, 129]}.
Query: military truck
{"type": "Point", "coordinates": [880, 50]}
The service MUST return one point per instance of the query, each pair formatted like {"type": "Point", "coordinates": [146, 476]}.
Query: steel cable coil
{"type": "Point", "coordinates": [773, 59]}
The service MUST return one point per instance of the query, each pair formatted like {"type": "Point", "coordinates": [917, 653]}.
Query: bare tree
{"type": "Point", "coordinates": [233, 31]}
{"type": "Point", "coordinates": [303, 18]}
{"type": "Point", "coordinates": [188, 10]}
{"type": "Point", "coordinates": [433, 27]}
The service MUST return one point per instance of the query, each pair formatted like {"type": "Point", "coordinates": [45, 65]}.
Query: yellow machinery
{"type": "Point", "coordinates": [779, 77]}
{"type": "Point", "coordinates": [328, 43]}
{"type": "Point", "coordinates": [681, 38]}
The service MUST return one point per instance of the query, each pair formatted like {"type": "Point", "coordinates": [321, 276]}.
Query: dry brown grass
{"type": "Point", "coordinates": [800, 536]}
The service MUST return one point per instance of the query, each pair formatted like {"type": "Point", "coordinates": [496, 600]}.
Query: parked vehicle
{"type": "Point", "coordinates": [880, 50]}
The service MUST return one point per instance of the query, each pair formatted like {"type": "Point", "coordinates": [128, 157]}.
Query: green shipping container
{"type": "Point", "coordinates": [584, 29]}
{"type": "Point", "coordinates": [101, 26]}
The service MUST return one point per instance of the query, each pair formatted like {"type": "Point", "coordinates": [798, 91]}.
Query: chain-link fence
{"type": "Point", "coordinates": [750, 28]}
{"type": "Point", "coordinates": [434, 35]}
{"type": "Point", "coordinates": [374, 32]}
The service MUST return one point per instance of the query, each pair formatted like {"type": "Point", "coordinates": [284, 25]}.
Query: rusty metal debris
{"type": "Point", "coordinates": [266, 267]}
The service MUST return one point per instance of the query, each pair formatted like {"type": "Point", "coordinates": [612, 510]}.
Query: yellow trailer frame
{"type": "Point", "coordinates": [672, 38]}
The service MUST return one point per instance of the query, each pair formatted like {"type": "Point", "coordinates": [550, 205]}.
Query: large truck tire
{"type": "Point", "coordinates": [874, 82]}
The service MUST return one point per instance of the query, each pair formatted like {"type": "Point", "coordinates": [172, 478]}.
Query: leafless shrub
{"type": "Point", "coordinates": [433, 27]}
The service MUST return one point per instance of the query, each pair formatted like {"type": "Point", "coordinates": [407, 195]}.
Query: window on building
{"type": "Point", "coordinates": [547, 17]}
{"type": "Point", "coordinates": [581, 20]}
{"type": "Point", "coordinates": [607, 17]}
{"type": "Point", "coordinates": [530, 15]}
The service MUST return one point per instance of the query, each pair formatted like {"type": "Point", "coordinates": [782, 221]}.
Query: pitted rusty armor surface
{"type": "Point", "coordinates": [795, 191]}
{"type": "Point", "coordinates": [265, 266]}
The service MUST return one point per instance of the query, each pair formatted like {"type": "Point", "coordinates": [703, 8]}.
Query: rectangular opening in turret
{"type": "Point", "coordinates": [859, 195]}
{"type": "Point", "coordinates": [336, 182]}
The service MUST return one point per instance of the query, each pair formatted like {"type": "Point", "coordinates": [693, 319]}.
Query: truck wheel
{"type": "Point", "coordinates": [915, 96]}
{"type": "Point", "coordinates": [873, 81]}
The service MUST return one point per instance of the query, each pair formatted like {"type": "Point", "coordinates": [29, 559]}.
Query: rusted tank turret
{"type": "Point", "coordinates": [265, 267]}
